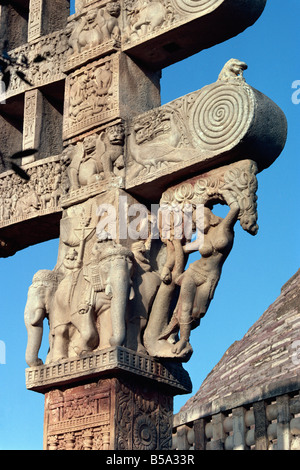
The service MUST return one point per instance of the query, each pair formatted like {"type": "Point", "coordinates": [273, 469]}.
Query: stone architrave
{"type": "Point", "coordinates": [125, 184]}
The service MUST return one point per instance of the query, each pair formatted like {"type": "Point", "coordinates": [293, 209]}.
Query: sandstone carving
{"type": "Point", "coordinates": [150, 29]}
{"type": "Point", "coordinates": [216, 122]}
{"type": "Point", "coordinates": [54, 49]}
{"type": "Point", "coordinates": [234, 186]}
{"type": "Point", "coordinates": [98, 158]}
{"type": "Point", "coordinates": [130, 187]}
{"type": "Point", "coordinates": [95, 27]}
{"type": "Point", "coordinates": [90, 96]}
{"type": "Point", "coordinates": [233, 70]}
{"type": "Point", "coordinates": [119, 295]}
{"type": "Point", "coordinates": [143, 18]}
{"type": "Point", "coordinates": [41, 194]}
{"type": "Point", "coordinates": [37, 308]}
{"type": "Point", "coordinates": [93, 279]}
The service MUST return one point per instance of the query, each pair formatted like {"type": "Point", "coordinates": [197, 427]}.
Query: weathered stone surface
{"type": "Point", "coordinates": [31, 209]}
{"type": "Point", "coordinates": [219, 124]}
{"type": "Point", "coordinates": [163, 32]}
{"type": "Point", "coordinates": [230, 185]}
{"type": "Point", "coordinates": [113, 414]}
{"type": "Point", "coordinates": [110, 88]}
{"type": "Point", "coordinates": [107, 152]}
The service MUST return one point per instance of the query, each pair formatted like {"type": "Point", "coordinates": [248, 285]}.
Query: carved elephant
{"type": "Point", "coordinates": [115, 273]}
{"type": "Point", "coordinates": [150, 16]}
{"type": "Point", "coordinates": [38, 306]}
{"type": "Point", "coordinates": [72, 312]}
{"type": "Point", "coordinates": [83, 295]}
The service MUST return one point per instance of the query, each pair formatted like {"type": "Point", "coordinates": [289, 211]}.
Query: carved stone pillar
{"type": "Point", "coordinates": [113, 400]}
{"type": "Point", "coordinates": [122, 300]}
{"type": "Point", "coordinates": [33, 109]}
{"type": "Point", "coordinates": [46, 17]}
{"type": "Point", "coordinates": [35, 19]}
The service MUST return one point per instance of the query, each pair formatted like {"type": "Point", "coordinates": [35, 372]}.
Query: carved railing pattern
{"type": "Point", "coordinates": [270, 424]}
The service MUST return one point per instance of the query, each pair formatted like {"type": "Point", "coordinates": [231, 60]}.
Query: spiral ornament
{"type": "Point", "coordinates": [221, 116]}
{"type": "Point", "coordinates": [196, 6]}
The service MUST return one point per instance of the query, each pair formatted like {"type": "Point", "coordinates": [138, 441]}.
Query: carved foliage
{"type": "Point", "coordinates": [86, 417]}
{"type": "Point", "coordinates": [144, 418]}
{"type": "Point", "coordinates": [236, 182]}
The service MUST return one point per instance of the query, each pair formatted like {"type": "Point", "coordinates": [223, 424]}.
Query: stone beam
{"type": "Point", "coordinates": [223, 122]}
{"type": "Point", "coordinates": [219, 124]}
{"type": "Point", "coordinates": [106, 89]}
{"type": "Point", "coordinates": [163, 32]}
{"type": "Point", "coordinates": [30, 211]}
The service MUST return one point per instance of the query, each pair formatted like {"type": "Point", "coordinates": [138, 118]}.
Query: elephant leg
{"type": "Point", "coordinates": [60, 342]}
{"type": "Point", "coordinates": [89, 337]}
{"type": "Point", "coordinates": [120, 285]}
{"type": "Point", "coordinates": [35, 335]}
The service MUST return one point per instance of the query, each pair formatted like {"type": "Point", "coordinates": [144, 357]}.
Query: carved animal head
{"type": "Point", "coordinates": [233, 69]}
{"type": "Point", "coordinates": [113, 8]}
{"type": "Point", "coordinates": [89, 143]}
{"type": "Point", "coordinates": [116, 134]}
{"type": "Point", "coordinates": [45, 278]}
{"type": "Point", "coordinates": [91, 15]}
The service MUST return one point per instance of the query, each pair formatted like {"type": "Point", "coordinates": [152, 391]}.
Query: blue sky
{"type": "Point", "coordinates": [257, 266]}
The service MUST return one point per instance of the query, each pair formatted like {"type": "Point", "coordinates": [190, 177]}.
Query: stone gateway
{"type": "Point", "coordinates": [121, 308]}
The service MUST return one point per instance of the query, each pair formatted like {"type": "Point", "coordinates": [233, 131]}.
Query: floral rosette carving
{"type": "Point", "coordinates": [144, 433]}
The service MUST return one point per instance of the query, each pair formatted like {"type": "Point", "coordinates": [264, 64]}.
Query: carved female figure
{"type": "Point", "coordinates": [199, 281]}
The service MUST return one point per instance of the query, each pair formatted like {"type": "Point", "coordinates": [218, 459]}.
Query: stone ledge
{"type": "Point", "coordinates": [104, 362]}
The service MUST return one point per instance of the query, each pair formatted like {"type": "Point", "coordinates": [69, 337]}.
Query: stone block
{"type": "Point", "coordinates": [107, 89]}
